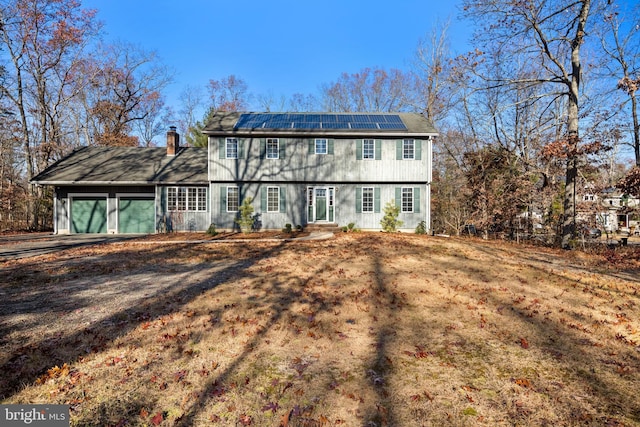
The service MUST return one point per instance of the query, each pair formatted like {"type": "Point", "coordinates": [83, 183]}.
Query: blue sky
{"type": "Point", "coordinates": [278, 47]}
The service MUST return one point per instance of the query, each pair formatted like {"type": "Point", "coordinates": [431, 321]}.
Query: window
{"type": "Point", "coordinates": [233, 199]}
{"type": "Point", "coordinates": [408, 149]}
{"type": "Point", "coordinates": [367, 199]}
{"type": "Point", "coordinates": [232, 148]}
{"type": "Point", "coordinates": [407, 199]}
{"type": "Point", "coordinates": [273, 199]}
{"type": "Point", "coordinates": [588, 198]}
{"type": "Point", "coordinates": [272, 148]}
{"type": "Point", "coordinates": [186, 199]}
{"type": "Point", "coordinates": [368, 149]}
{"type": "Point", "coordinates": [321, 146]}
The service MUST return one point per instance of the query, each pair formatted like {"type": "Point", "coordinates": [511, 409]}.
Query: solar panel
{"type": "Point", "coordinates": [320, 121]}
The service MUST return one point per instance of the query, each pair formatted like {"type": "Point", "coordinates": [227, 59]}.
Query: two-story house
{"type": "Point", "coordinates": [308, 168]}
{"type": "Point", "coordinates": [298, 168]}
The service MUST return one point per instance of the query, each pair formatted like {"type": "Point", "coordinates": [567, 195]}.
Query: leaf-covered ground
{"type": "Point", "coordinates": [365, 329]}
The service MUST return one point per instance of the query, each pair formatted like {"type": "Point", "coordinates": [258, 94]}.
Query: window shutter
{"type": "Point", "coordinates": [223, 199]}
{"type": "Point", "coordinates": [263, 199]}
{"type": "Point", "coordinates": [281, 149]}
{"type": "Point", "coordinates": [222, 149]}
{"type": "Point", "coordinates": [263, 148]}
{"type": "Point", "coordinates": [378, 147]}
{"type": "Point", "coordinates": [418, 149]}
{"type": "Point", "coordinates": [399, 197]}
{"type": "Point", "coordinates": [358, 200]}
{"type": "Point", "coordinates": [312, 146]}
{"type": "Point", "coordinates": [376, 200]}
{"type": "Point", "coordinates": [399, 149]}
{"type": "Point", "coordinates": [330, 146]}
{"type": "Point", "coordinates": [359, 149]}
{"type": "Point", "coordinates": [416, 199]}
{"type": "Point", "coordinates": [241, 149]}
{"type": "Point", "coordinates": [283, 199]}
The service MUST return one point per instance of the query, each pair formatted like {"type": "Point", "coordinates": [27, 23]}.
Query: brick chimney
{"type": "Point", "coordinates": [173, 141]}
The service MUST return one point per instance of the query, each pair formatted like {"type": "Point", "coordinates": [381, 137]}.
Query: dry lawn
{"type": "Point", "coordinates": [365, 329]}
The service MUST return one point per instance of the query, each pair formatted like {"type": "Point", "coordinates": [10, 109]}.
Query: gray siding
{"type": "Point", "coordinates": [299, 165]}
{"type": "Point", "coordinates": [165, 220]}
{"type": "Point", "coordinates": [292, 212]}
{"type": "Point", "coordinates": [176, 221]}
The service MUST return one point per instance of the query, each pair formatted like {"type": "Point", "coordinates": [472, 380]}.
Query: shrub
{"type": "Point", "coordinates": [389, 221]}
{"type": "Point", "coordinates": [287, 228]}
{"type": "Point", "coordinates": [421, 228]}
{"type": "Point", "coordinates": [212, 230]}
{"type": "Point", "coordinates": [246, 216]}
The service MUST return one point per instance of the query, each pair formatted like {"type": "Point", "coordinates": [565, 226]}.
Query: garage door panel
{"type": "Point", "coordinates": [136, 215]}
{"type": "Point", "coordinates": [89, 215]}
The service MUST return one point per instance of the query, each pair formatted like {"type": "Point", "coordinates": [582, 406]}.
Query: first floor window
{"type": "Point", "coordinates": [368, 149]}
{"type": "Point", "coordinates": [408, 149]}
{"type": "Point", "coordinates": [233, 198]}
{"type": "Point", "coordinates": [273, 199]}
{"type": "Point", "coordinates": [186, 199]}
{"type": "Point", "coordinates": [272, 148]}
{"type": "Point", "coordinates": [407, 199]}
{"type": "Point", "coordinates": [367, 199]}
{"type": "Point", "coordinates": [232, 148]}
{"type": "Point", "coordinates": [321, 146]}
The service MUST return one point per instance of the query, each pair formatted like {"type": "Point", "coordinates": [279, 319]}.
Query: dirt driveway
{"type": "Point", "coordinates": [34, 244]}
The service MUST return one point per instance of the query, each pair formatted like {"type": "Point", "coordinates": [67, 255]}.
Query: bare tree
{"type": "Point", "coordinates": [549, 34]}
{"type": "Point", "coordinates": [621, 45]}
{"type": "Point", "coordinates": [375, 90]}
{"type": "Point", "coordinates": [44, 40]}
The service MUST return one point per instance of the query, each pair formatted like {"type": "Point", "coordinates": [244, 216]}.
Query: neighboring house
{"type": "Point", "coordinates": [610, 210]}
{"type": "Point", "coordinates": [620, 211]}
{"type": "Point", "coordinates": [299, 169]}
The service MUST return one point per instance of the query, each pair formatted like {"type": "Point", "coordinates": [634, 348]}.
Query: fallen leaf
{"type": "Point", "coordinates": [157, 419]}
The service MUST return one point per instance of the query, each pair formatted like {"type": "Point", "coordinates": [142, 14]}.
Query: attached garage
{"type": "Point", "coordinates": [136, 215]}
{"type": "Point", "coordinates": [89, 214]}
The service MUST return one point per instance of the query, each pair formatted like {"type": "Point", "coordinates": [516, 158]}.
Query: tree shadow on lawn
{"type": "Point", "coordinates": [563, 326]}
{"type": "Point", "coordinates": [65, 294]}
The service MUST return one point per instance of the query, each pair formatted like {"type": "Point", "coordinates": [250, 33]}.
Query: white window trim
{"type": "Point", "coordinates": [373, 153]}
{"type": "Point", "coordinates": [188, 207]}
{"type": "Point", "coordinates": [413, 201]}
{"type": "Point", "coordinates": [226, 147]}
{"type": "Point", "coordinates": [277, 209]}
{"type": "Point", "coordinates": [326, 145]}
{"type": "Point", "coordinates": [372, 200]}
{"type": "Point", "coordinates": [238, 198]}
{"type": "Point", "coordinates": [413, 152]}
{"type": "Point", "coordinates": [277, 152]}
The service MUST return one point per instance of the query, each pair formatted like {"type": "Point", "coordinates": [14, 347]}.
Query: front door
{"type": "Point", "coordinates": [320, 204]}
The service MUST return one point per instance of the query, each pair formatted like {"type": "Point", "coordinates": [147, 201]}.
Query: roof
{"type": "Point", "coordinates": [127, 166]}
{"type": "Point", "coordinates": [329, 124]}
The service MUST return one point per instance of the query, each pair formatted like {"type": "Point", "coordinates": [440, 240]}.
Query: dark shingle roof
{"type": "Point", "coordinates": [127, 165]}
{"type": "Point", "coordinates": [225, 123]}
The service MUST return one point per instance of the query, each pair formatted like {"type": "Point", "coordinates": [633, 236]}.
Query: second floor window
{"type": "Point", "coordinates": [368, 149]}
{"type": "Point", "coordinates": [408, 149]}
{"type": "Point", "coordinates": [273, 148]}
{"type": "Point", "coordinates": [321, 146]}
{"type": "Point", "coordinates": [232, 148]}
